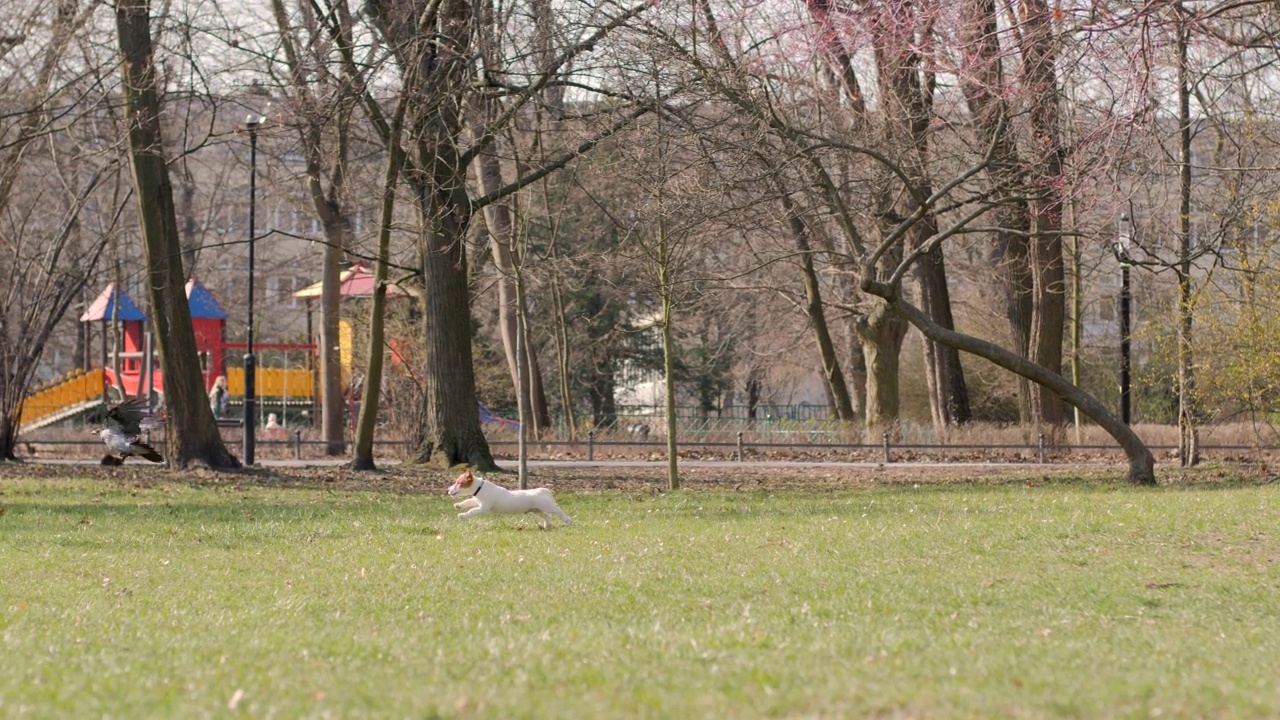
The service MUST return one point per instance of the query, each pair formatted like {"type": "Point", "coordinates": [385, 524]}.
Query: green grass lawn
{"type": "Point", "coordinates": [1062, 600]}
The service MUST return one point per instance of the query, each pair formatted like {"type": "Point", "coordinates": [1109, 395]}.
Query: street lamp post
{"type": "Point", "coordinates": [1125, 239]}
{"type": "Point", "coordinates": [251, 124]}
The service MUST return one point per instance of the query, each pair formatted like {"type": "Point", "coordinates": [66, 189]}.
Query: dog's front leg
{"type": "Point", "coordinates": [473, 511]}
{"type": "Point", "coordinates": [468, 503]}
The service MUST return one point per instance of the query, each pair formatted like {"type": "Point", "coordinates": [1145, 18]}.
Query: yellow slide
{"type": "Point", "coordinates": [53, 401]}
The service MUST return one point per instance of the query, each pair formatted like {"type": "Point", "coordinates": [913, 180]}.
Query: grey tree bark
{"type": "Point", "coordinates": [190, 429]}
{"type": "Point", "coordinates": [1048, 280]}
{"type": "Point", "coordinates": [313, 117]}
{"type": "Point", "coordinates": [1188, 410]}
{"type": "Point", "coordinates": [985, 90]}
{"type": "Point", "coordinates": [435, 40]}
{"type": "Point", "coordinates": [815, 311]}
{"type": "Point", "coordinates": [366, 427]}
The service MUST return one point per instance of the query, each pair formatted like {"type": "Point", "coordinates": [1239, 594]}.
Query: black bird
{"type": "Point", "coordinates": [122, 431]}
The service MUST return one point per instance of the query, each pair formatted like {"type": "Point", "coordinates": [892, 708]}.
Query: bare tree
{"type": "Point", "coordinates": [500, 224]}
{"type": "Point", "coordinates": [911, 202]}
{"type": "Point", "coordinates": [321, 108]}
{"type": "Point", "coordinates": [190, 429]}
{"type": "Point", "coordinates": [372, 391]}
{"type": "Point", "coordinates": [1048, 291]}
{"type": "Point", "coordinates": [436, 39]}
{"type": "Point", "coordinates": [816, 312]}
{"type": "Point", "coordinates": [985, 88]}
{"type": "Point", "coordinates": [46, 257]}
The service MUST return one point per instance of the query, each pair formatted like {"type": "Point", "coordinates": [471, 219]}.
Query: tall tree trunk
{"type": "Point", "coordinates": [1188, 434]}
{"type": "Point", "coordinates": [366, 427]}
{"type": "Point", "coordinates": [331, 409]}
{"type": "Point", "coordinates": [328, 208]}
{"type": "Point", "coordinates": [563, 359]}
{"type": "Point", "coordinates": [441, 57]}
{"type": "Point", "coordinates": [907, 85]}
{"type": "Point", "coordinates": [1076, 319]}
{"type": "Point", "coordinates": [666, 296]}
{"type": "Point", "coordinates": [522, 381]}
{"type": "Point", "coordinates": [881, 333]}
{"type": "Point", "coordinates": [1048, 306]}
{"type": "Point", "coordinates": [452, 433]}
{"type": "Point", "coordinates": [497, 217]}
{"type": "Point", "coordinates": [189, 427]}
{"type": "Point", "coordinates": [857, 369]}
{"type": "Point", "coordinates": [985, 91]}
{"type": "Point", "coordinates": [948, 391]}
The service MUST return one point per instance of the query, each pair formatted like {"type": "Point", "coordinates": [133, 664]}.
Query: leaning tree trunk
{"type": "Point", "coordinates": [190, 429]}
{"type": "Point", "coordinates": [1141, 461]}
{"type": "Point", "coordinates": [369, 402]}
{"type": "Point", "coordinates": [837, 389]}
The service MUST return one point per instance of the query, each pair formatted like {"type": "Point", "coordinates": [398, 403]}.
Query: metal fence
{"type": "Point", "coordinates": [824, 443]}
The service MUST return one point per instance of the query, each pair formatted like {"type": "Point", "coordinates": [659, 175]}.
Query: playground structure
{"type": "Point", "coordinates": [280, 390]}
{"type": "Point", "coordinates": [84, 390]}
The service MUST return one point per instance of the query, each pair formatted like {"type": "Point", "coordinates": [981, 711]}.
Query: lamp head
{"type": "Point", "coordinates": [252, 121]}
{"type": "Point", "coordinates": [1124, 237]}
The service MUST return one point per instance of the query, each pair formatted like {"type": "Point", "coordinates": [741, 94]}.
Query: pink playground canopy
{"type": "Point", "coordinates": [356, 281]}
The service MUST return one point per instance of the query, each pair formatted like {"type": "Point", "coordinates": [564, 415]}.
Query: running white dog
{"type": "Point", "coordinates": [483, 496]}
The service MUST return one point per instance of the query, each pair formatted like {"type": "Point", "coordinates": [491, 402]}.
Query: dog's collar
{"type": "Point", "coordinates": [478, 485]}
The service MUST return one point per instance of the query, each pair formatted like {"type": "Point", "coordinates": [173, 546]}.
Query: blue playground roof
{"type": "Point", "coordinates": [204, 306]}
{"type": "Point", "coordinates": [104, 308]}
